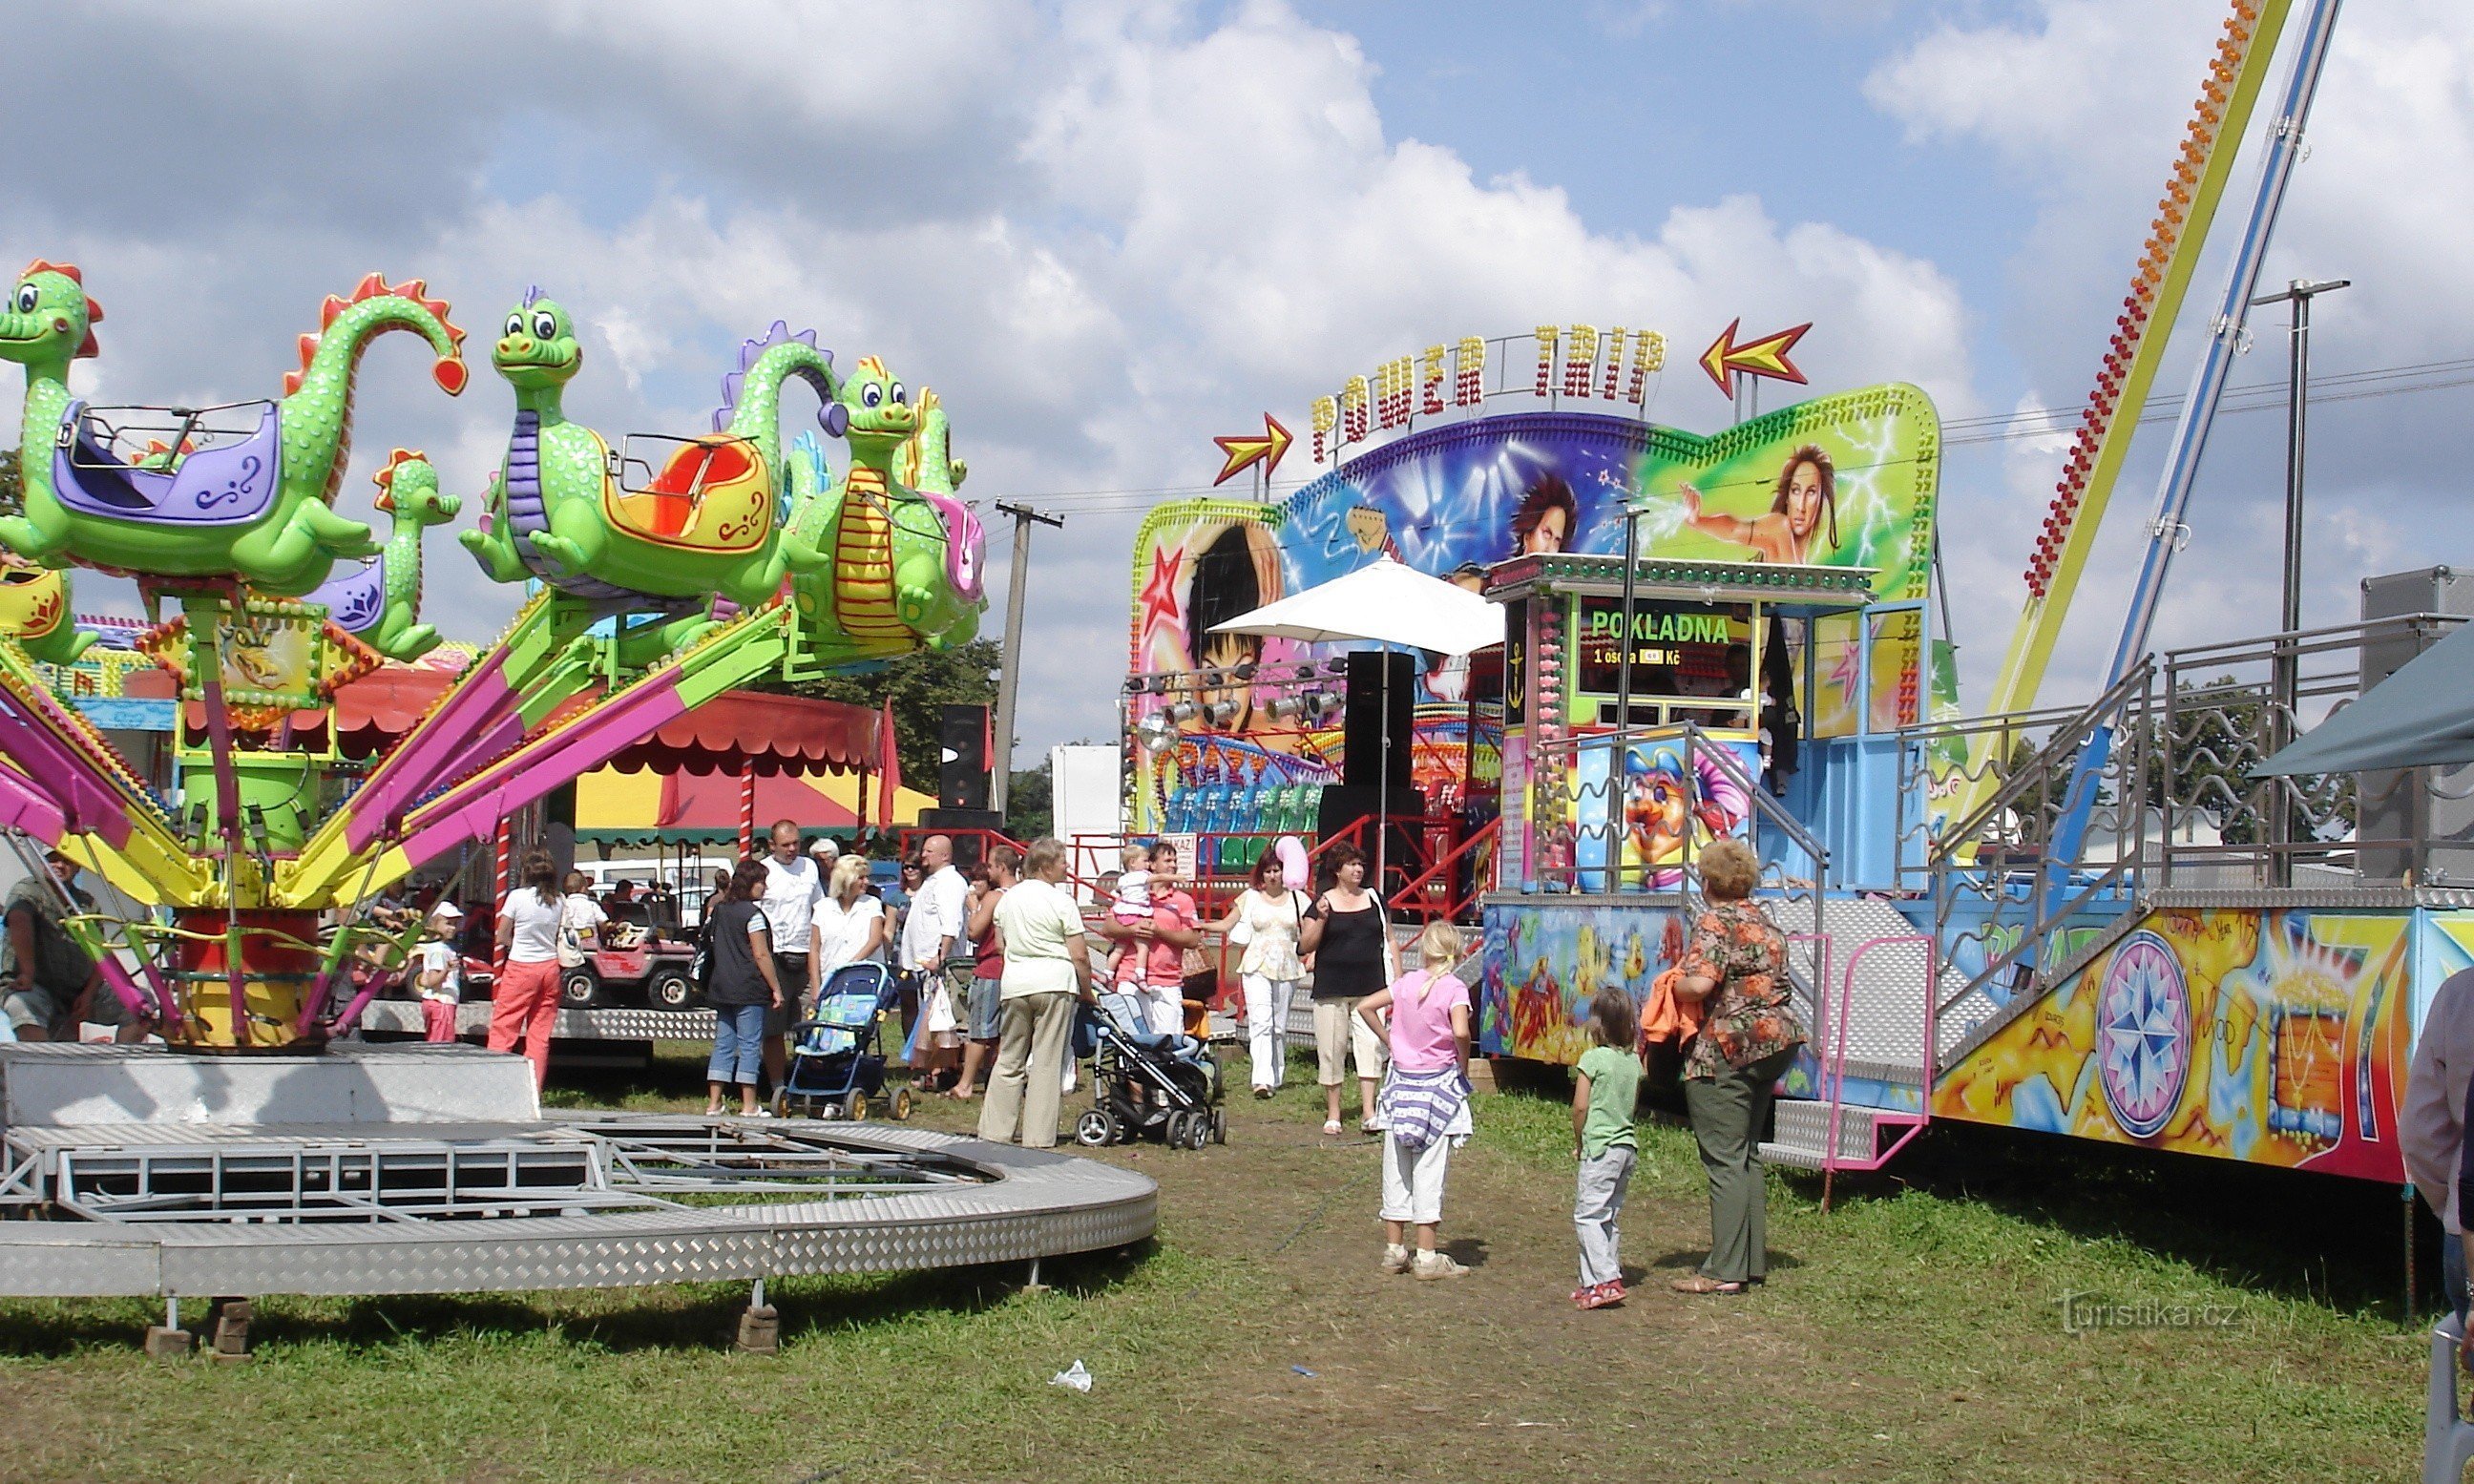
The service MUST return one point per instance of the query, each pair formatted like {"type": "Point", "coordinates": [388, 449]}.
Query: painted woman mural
{"type": "Point", "coordinates": [1805, 498]}
{"type": "Point", "coordinates": [1236, 573]}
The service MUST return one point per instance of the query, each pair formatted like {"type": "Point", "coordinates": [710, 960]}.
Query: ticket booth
{"type": "Point", "coordinates": [1707, 669]}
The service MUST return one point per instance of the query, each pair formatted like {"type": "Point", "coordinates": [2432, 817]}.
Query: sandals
{"type": "Point", "coordinates": [1330, 1128]}
{"type": "Point", "coordinates": [1599, 1295]}
{"type": "Point", "coordinates": [1704, 1283]}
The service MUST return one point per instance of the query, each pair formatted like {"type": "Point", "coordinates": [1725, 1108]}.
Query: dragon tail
{"type": "Point", "coordinates": [318, 398]}
{"type": "Point", "coordinates": [751, 395]}
{"type": "Point", "coordinates": [927, 463]}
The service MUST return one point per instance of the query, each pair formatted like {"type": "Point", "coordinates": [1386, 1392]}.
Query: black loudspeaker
{"type": "Point", "coordinates": [1345, 804]}
{"type": "Point", "coordinates": [962, 758]}
{"type": "Point", "coordinates": [1376, 710]}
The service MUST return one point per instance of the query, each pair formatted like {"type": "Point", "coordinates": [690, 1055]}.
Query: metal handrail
{"type": "Point", "coordinates": [2068, 737]}
{"type": "Point", "coordinates": [1405, 898]}
{"type": "Point", "coordinates": [1835, 1086]}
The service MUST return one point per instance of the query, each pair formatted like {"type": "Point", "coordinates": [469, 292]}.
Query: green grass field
{"type": "Point", "coordinates": [1914, 1332]}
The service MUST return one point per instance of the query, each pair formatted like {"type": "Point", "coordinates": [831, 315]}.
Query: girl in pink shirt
{"type": "Point", "coordinates": [1424, 1102]}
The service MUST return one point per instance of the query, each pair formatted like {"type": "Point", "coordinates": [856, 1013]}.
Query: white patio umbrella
{"type": "Point", "coordinates": [1384, 602]}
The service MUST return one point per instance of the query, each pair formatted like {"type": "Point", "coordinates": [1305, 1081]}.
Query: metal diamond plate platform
{"type": "Point", "coordinates": [1885, 1014]}
{"type": "Point", "coordinates": [364, 1204]}
{"type": "Point", "coordinates": [402, 1017]}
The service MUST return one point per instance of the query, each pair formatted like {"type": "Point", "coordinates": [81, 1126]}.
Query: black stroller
{"type": "Point", "coordinates": [1144, 1082]}
{"type": "Point", "coordinates": [835, 1064]}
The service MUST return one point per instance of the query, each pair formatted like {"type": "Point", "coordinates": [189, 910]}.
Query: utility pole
{"type": "Point", "coordinates": [2296, 296]}
{"type": "Point", "coordinates": [1001, 785]}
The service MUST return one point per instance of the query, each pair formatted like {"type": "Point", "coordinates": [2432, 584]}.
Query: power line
{"type": "Point", "coordinates": [1994, 427]}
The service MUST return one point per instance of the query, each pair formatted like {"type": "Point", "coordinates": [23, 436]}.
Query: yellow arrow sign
{"type": "Point", "coordinates": [1763, 358]}
{"type": "Point", "coordinates": [1244, 451]}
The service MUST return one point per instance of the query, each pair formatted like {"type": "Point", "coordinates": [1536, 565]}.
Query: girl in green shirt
{"type": "Point", "coordinates": [1606, 1090]}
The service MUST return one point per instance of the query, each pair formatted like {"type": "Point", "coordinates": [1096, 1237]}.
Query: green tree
{"type": "Point", "coordinates": [920, 685]}
{"type": "Point", "coordinates": [1031, 806]}
{"type": "Point", "coordinates": [13, 484]}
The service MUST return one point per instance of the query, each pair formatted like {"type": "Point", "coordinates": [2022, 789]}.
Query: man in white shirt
{"type": "Point", "coordinates": [935, 949]}
{"type": "Point", "coordinates": [2431, 1127]}
{"type": "Point", "coordinates": [793, 889]}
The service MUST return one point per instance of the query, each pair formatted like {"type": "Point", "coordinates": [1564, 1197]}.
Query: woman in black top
{"type": "Point", "coordinates": [1351, 941]}
{"type": "Point", "coordinates": [740, 988]}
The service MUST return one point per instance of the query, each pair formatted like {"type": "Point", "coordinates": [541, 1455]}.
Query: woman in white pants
{"type": "Point", "coordinates": [1268, 921]}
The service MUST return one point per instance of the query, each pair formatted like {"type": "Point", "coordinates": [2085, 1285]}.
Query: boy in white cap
{"type": "Point", "coordinates": [438, 972]}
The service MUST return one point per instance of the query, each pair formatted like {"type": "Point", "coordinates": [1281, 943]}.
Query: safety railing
{"type": "Point", "coordinates": [2010, 879]}
{"type": "Point", "coordinates": [1449, 889]}
{"type": "Point", "coordinates": [1835, 1065]}
{"type": "Point", "coordinates": [1666, 811]}
{"type": "Point", "coordinates": [2228, 707]}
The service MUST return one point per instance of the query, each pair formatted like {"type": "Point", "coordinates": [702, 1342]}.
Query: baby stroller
{"type": "Point", "coordinates": [1141, 1082]}
{"type": "Point", "coordinates": [835, 1064]}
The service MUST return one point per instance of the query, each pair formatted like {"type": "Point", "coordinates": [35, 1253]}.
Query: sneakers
{"type": "Point", "coordinates": [1430, 1266]}
{"type": "Point", "coordinates": [1396, 1259]}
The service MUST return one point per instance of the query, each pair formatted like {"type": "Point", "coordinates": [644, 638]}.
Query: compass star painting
{"type": "Point", "coordinates": [2276, 1038]}
{"type": "Point", "coordinates": [2142, 1026]}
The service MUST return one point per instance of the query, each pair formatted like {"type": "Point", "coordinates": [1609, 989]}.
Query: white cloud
{"type": "Point", "coordinates": [2084, 102]}
{"type": "Point", "coordinates": [1103, 235]}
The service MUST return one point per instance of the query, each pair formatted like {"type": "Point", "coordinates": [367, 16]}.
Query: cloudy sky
{"type": "Point", "coordinates": [1105, 232]}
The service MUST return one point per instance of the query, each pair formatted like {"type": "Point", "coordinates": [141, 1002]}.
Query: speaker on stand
{"type": "Point", "coordinates": [1376, 743]}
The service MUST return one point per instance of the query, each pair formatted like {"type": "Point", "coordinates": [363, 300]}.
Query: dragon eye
{"type": "Point", "coordinates": [900, 397]}
{"type": "Point", "coordinates": [515, 324]}
{"type": "Point", "coordinates": [871, 394]}
{"type": "Point", "coordinates": [546, 324]}
{"type": "Point", "coordinates": [27, 296]}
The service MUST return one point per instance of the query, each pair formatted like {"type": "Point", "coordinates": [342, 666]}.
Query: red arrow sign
{"type": "Point", "coordinates": [1245, 450]}
{"type": "Point", "coordinates": [1763, 358]}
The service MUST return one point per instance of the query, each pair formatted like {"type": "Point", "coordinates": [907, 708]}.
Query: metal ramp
{"type": "Point", "coordinates": [1867, 987]}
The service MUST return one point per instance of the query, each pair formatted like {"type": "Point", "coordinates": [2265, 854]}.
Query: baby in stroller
{"type": "Point", "coordinates": [1144, 1082]}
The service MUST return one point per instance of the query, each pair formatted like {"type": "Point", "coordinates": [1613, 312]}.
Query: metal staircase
{"type": "Point", "coordinates": [1871, 1022]}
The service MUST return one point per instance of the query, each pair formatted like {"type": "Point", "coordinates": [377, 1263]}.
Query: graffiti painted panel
{"type": "Point", "coordinates": [2274, 1038]}
{"type": "Point", "coordinates": [1542, 965]}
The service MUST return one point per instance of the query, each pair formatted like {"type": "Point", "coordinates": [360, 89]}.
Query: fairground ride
{"type": "Point", "coordinates": [662, 570]}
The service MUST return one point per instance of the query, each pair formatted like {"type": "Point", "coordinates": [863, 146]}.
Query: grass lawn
{"type": "Point", "coordinates": [1914, 1332]}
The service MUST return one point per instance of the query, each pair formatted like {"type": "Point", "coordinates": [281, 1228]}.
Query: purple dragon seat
{"type": "Point", "coordinates": [231, 485]}
{"type": "Point", "coordinates": [355, 596]}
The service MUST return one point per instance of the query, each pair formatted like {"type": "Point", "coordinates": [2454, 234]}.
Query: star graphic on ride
{"type": "Point", "coordinates": [1159, 591]}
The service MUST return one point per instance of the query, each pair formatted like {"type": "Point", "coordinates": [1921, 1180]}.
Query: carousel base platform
{"type": "Point", "coordinates": [431, 1169]}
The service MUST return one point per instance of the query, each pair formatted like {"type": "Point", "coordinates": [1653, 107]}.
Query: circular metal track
{"type": "Point", "coordinates": [599, 1201]}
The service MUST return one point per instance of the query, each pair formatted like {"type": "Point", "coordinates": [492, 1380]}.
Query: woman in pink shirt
{"type": "Point", "coordinates": [1424, 1102]}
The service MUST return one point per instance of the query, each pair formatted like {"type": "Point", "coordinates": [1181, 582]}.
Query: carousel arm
{"type": "Point", "coordinates": [567, 749]}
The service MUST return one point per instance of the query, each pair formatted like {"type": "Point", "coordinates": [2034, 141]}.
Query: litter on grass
{"type": "Point", "coordinates": [1075, 1377]}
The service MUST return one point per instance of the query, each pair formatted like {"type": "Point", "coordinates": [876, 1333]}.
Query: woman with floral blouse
{"type": "Point", "coordinates": [1736, 967]}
